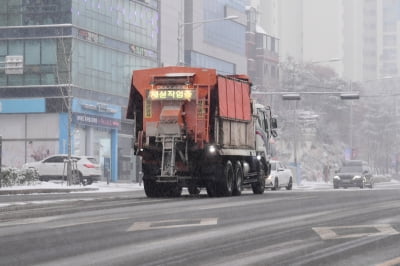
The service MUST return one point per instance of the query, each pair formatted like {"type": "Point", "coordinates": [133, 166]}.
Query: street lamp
{"type": "Point", "coordinates": [181, 31]}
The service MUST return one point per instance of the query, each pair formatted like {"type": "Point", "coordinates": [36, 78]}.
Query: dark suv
{"type": "Point", "coordinates": [353, 173]}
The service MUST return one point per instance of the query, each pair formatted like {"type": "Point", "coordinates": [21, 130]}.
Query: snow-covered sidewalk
{"type": "Point", "coordinates": [58, 186]}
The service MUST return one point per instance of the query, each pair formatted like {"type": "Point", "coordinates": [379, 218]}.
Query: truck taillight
{"type": "Point", "coordinates": [89, 165]}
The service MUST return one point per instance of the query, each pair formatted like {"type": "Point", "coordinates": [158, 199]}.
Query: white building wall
{"type": "Point", "coordinates": [268, 15]}
{"type": "Point", "coordinates": [171, 15]}
{"type": "Point", "coordinates": [312, 31]}
{"type": "Point", "coordinates": [353, 40]}
{"type": "Point", "coordinates": [290, 29]}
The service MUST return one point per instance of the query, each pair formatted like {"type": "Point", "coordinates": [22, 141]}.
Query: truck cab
{"type": "Point", "coordinates": [265, 130]}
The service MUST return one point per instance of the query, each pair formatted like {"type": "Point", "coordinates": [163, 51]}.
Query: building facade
{"type": "Point", "coordinates": [262, 46]}
{"type": "Point", "coordinates": [79, 50]}
{"type": "Point", "coordinates": [212, 42]}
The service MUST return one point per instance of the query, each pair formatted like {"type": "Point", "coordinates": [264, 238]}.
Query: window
{"type": "Point", "coordinates": [55, 159]}
{"type": "Point", "coordinates": [14, 80]}
{"type": "Point", "coordinates": [16, 47]}
{"type": "Point", "coordinates": [49, 52]}
{"type": "Point", "coordinates": [32, 79]}
{"type": "Point", "coordinates": [266, 69]}
{"type": "Point", "coordinates": [48, 79]}
{"type": "Point", "coordinates": [273, 45]}
{"type": "Point", "coordinates": [3, 50]}
{"type": "Point", "coordinates": [32, 52]}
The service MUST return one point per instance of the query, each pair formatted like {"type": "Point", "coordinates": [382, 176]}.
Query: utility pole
{"type": "Point", "coordinates": [69, 101]}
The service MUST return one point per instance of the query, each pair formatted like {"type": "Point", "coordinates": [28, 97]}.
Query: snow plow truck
{"type": "Point", "coordinates": [197, 129]}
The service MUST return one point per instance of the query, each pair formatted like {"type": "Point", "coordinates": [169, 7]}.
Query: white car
{"type": "Point", "coordinates": [280, 176]}
{"type": "Point", "coordinates": [84, 168]}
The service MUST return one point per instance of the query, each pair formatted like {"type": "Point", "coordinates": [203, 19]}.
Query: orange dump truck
{"type": "Point", "coordinates": [197, 129]}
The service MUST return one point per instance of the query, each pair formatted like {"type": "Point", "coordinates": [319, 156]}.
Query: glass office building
{"type": "Point", "coordinates": [88, 48]}
{"type": "Point", "coordinates": [220, 44]}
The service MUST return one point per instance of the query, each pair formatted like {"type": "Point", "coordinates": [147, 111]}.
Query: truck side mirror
{"type": "Point", "coordinates": [274, 123]}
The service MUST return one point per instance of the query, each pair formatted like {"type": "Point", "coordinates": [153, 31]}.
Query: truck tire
{"type": "Point", "coordinates": [225, 186]}
{"type": "Point", "coordinates": [238, 179]}
{"type": "Point", "coordinates": [259, 186]}
{"type": "Point", "coordinates": [211, 189]}
{"type": "Point", "coordinates": [150, 188]}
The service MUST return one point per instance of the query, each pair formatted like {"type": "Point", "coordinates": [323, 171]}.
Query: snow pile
{"type": "Point", "coordinates": [95, 187]}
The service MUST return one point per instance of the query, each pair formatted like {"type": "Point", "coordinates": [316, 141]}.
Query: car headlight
{"type": "Point", "coordinates": [356, 177]}
{"type": "Point", "coordinates": [336, 177]}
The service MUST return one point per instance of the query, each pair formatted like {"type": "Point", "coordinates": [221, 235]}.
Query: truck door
{"type": "Point", "coordinates": [262, 136]}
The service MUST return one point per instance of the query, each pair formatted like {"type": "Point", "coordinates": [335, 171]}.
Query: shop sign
{"type": "Point", "coordinates": [96, 121]}
{"type": "Point", "coordinates": [137, 50]}
{"type": "Point", "coordinates": [88, 36]}
{"type": "Point", "coordinates": [171, 94]}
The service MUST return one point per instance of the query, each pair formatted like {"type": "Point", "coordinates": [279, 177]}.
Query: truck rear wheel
{"type": "Point", "coordinates": [211, 189]}
{"type": "Point", "coordinates": [259, 186]}
{"type": "Point", "coordinates": [150, 188]}
{"type": "Point", "coordinates": [225, 187]}
{"type": "Point", "coordinates": [238, 178]}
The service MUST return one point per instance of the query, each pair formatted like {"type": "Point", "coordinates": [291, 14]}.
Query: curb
{"type": "Point", "coordinates": [44, 190]}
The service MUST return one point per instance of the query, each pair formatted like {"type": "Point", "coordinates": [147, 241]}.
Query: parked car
{"type": "Point", "coordinates": [354, 173]}
{"type": "Point", "coordinates": [280, 176]}
{"type": "Point", "coordinates": [85, 169]}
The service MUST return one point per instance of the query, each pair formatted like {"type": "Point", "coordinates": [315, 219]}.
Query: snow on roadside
{"type": "Point", "coordinates": [97, 186]}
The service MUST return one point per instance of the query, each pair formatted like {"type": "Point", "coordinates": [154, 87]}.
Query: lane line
{"type": "Point", "coordinates": [89, 222]}
{"type": "Point", "coordinates": [170, 224]}
{"type": "Point", "coordinates": [393, 262]}
{"type": "Point", "coordinates": [29, 221]}
{"type": "Point", "coordinates": [245, 203]}
{"type": "Point", "coordinates": [328, 232]}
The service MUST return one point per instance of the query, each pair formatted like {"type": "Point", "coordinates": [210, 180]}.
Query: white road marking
{"type": "Point", "coordinates": [393, 262]}
{"type": "Point", "coordinates": [29, 221]}
{"type": "Point", "coordinates": [141, 226]}
{"type": "Point", "coordinates": [245, 203]}
{"type": "Point", "coordinates": [89, 222]}
{"type": "Point", "coordinates": [328, 232]}
{"type": "Point", "coordinates": [259, 256]}
{"type": "Point", "coordinates": [41, 202]}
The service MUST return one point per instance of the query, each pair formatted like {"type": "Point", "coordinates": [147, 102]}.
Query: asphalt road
{"type": "Point", "coordinates": [299, 227]}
